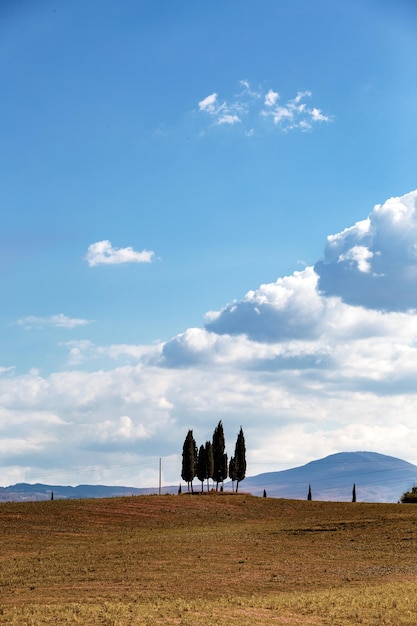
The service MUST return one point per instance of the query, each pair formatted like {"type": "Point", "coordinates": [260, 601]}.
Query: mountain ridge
{"type": "Point", "coordinates": [377, 478]}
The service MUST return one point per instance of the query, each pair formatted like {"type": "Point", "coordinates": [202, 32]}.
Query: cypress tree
{"type": "Point", "coordinates": [354, 493]}
{"type": "Point", "coordinates": [210, 462]}
{"type": "Point", "coordinates": [202, 466]}
{"type": "Point", "coordinates": [189, 460]}
{"type": "Point", "coordinates": [219, 457]}
{"type": "Point", "coordinates": [225, 467]}
{"type": "Point", "coordinates": [309, 493]}
{"type": "Point", "coordinates": [240, 458]}
{"type": "Point", "coordinates": [195, 459]}
{"type": "Point", "coordinates": [232, 472]}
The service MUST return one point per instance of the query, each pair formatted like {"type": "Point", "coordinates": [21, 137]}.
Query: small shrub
{"type": "Point", "coordinates": [410, 497]}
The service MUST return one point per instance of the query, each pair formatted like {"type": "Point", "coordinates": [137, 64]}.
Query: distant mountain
{"type": "Point", "coordinates": [25, 492]}
{"type": "Point", "coordinates": [378, 478]}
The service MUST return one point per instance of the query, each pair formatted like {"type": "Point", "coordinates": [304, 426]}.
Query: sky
{"type": "Point", "coordinates": [208, 211]}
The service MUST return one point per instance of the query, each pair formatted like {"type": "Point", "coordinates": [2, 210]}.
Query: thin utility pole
{"type": "Point", "coordinates": [160, 475]}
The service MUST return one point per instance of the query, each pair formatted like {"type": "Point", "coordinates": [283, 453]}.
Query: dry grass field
{"type": "Point", "coordinates": [212, 559]}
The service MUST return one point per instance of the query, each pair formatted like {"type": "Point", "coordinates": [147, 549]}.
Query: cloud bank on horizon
{"type": "Point", "coordinates": [317, 362]}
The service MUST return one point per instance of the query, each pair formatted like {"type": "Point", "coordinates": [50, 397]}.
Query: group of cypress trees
{"type": "Point", "coordinates": [210, 460]}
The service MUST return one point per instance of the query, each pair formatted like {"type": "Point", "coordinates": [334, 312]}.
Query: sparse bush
{"type": "Point", "coordinates": [410, 497]}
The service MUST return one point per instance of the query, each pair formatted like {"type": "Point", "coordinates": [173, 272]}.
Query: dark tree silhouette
{"type": "Point", "coordinates": [309, 493]}
{"type": "Point", "coordinates": [219, 456]}
{"type": "Point", "coordinates": [240, 458]}
{"type": "Point", "coordinates": [189, 460]}
{"type": "Point", "coordinates": [410, 497]}
{"type": "Point", "coordinates": [202, 466]}
{"type": "Point", "coordinates": [225, 468]}
{"type": "Point", "coordinates": [354, 493]}
{"type": "Point", "coordinates": [210, 462]}
{"type": "Point", "coordinates": [233, 472]}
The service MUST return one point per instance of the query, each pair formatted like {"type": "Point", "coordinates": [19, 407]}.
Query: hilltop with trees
{"type": "Point", "coordinates": [210, 460]}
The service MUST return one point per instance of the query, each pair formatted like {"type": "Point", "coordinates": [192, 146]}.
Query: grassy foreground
{"type": "Point", "coordinates": [212, 559]}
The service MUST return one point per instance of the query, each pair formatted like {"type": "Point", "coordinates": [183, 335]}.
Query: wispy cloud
{"type": "Point", "coordinates": [251, 106]}
{"type": "Point", "coordinates": [84, 350]}
{"type": "Point", "coordinates": [103, 253]}
{"type": "Point", "coordinates": [55, 321]}
{"type": "Point", "coordinates": [293, 114]}
{"type": "Point", "coordinates": [209, 104]}
{"type": "Point", "coordinates": [221, 112]}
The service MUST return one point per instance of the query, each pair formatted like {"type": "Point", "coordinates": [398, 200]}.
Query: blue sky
{"type": "Point", "coordinates": [207, 212]}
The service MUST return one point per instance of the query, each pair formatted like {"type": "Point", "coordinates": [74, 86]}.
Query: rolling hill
{"type": "Point", "coordinates": [378, 478]}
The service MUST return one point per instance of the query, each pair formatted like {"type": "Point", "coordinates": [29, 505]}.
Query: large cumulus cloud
{"type": "Point", "coordinates": [303, 334]}
{"type": "Point", "coordinates": [288, 308]}
{"type": "Point", "coordinates": [374, 262]}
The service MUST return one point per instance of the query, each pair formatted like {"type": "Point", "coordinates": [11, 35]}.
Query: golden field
{"type": "Point", "coordinates": [209, 559]}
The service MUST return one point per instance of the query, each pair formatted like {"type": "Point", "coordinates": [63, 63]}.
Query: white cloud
{"type": "Point", "coordinates": [102, 252]}
{"type": "Point", "coordinates": [360, 255]}
{"type": "Point", "coordinates": [294, 114]}
{"type": "Point", "coordinates": [318, 116]}
{"type": "Point", "coordinates": [78, 350]}
{"type": "Point", "coordinates": [301, 95]}
{"type": "Point", "coordinates": [57, 321]}
{"type": "Point", "coordinates": [122, 430]}
{"type": "Point", "coordinates": [209, 103]}
{"type": "Point", "coordinates": [227, 118]}
{"type": "Point", "coordinates": [248, 91]}
{"type": "Point", "coordinates": [84, 350]}
{"type": "Point", "coordinates": [281, 113]}
{"type": "Point", "coordinates": [197, 346]}
{"type": "Point", "coordinates": [275, 311]}
{"type": "Point", "coordinates": [271, 98]}
{"type": "Point", "coordinates": [374, 262]}
{"type": "Point", "coordinates": [222, 113]}
{"type": "Point", "coordinates": [249, 107]}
